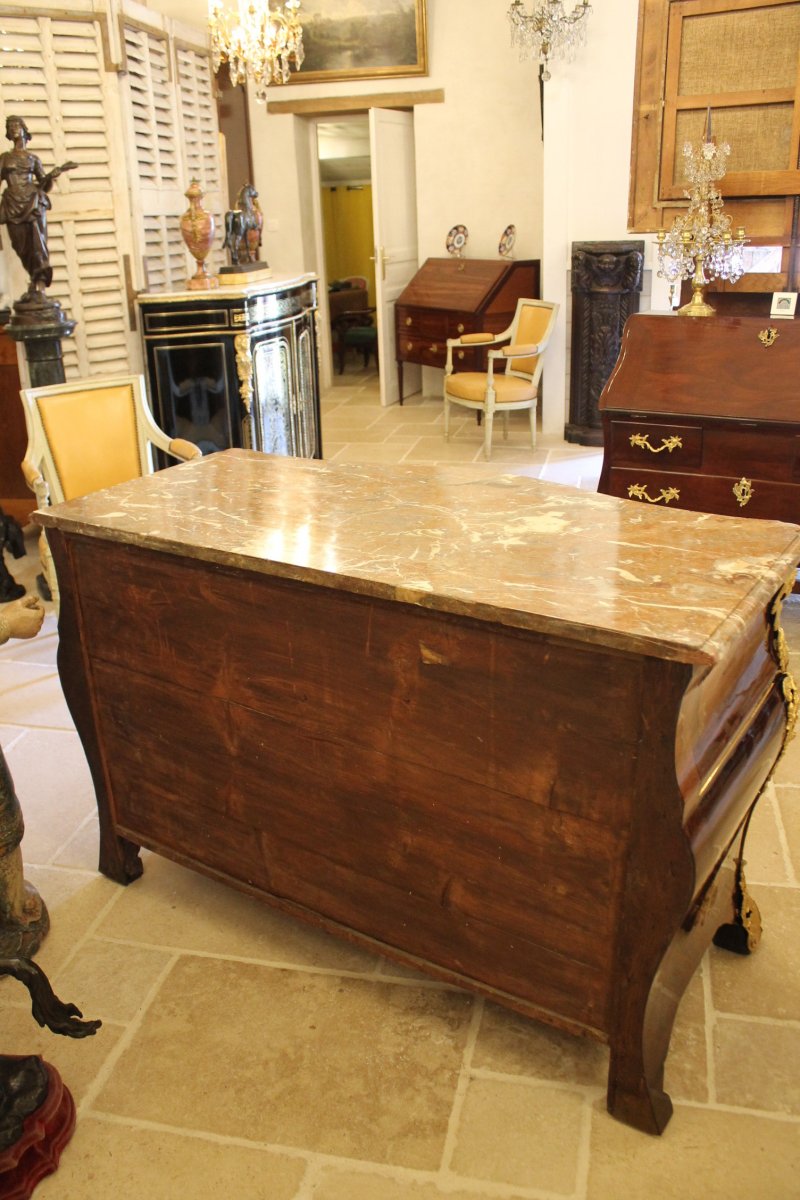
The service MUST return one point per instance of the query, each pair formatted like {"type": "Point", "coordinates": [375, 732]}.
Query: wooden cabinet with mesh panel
{"type": "Point", "coordinates": [738, 58]}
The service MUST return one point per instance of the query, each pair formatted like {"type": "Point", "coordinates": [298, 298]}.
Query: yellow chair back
{"type": "Point", "coordinates": [533, 324]}
{"type": "Point", "coordinates": [92, 437]}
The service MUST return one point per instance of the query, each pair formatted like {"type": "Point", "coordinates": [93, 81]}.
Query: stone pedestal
{"type": "Point", "coordinates": [606, 282]}
{"type": "Point", "coordinates": [42, 343]}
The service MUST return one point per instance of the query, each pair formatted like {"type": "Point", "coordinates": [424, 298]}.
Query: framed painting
{"type": "Point", "coordinates": [362, 39]}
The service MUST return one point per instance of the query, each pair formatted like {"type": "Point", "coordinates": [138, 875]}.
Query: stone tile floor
{"type": "Point", "coordinates": [243, 1055]}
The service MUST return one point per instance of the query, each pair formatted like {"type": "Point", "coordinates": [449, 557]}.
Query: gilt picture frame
{"type": "Point", "coordinates": [362, 39]}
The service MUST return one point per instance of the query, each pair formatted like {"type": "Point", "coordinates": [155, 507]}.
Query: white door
{"type": "Point", "coordinates": [394, 220]}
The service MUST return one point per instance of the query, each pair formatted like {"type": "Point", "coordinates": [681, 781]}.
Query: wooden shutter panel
{"type": "Point", "coordinates": [200, 140]}
{"type": "Point", "coordinates": [175, 139]}
{"type": "Point", "coordinates": [155, 175]}
{"type": "Point", "coordinates": [56, 76]}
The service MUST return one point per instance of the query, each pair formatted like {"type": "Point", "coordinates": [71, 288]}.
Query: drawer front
{"type": "Point", "coordinates": [664, 446]}
{"type": "Point", "coordinates": [726, 495]}
{"type": "Point", "coordinates": [421, 322]}
{"type": "Point", "coordinates": [431, 352]}
{"type": "Point", "coordinates": [739, 450]}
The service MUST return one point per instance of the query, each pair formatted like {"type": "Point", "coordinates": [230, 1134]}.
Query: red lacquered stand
{"type": "Point", "coordinates": [37, 1151]}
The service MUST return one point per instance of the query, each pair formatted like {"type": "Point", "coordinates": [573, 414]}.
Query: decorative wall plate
{"type": "Point", "coordinates": [507, 241]}
{"type": "Point", "coordinates": [457, 240]}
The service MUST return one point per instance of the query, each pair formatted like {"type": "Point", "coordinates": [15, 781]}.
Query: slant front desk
{"type": "Point", "coordinates": [506, 732]}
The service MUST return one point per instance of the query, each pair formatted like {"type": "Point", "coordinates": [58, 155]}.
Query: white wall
{"type": "Point", "coordinates": [479, 153]}
{"type": "Point", "coordinates": [588, 111]}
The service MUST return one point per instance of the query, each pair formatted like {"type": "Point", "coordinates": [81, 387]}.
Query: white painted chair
{"type": "Point", "coordinates": [491, 392]}
{"type": "Point", "coordinates": [89, 435]}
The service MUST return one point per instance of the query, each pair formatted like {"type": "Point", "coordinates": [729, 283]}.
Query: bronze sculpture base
{"type": "Point", "coordinates": [38, 1113]}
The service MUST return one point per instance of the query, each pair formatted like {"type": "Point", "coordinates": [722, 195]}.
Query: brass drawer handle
{"type": "Point", "coordinates": [460, 328]}
{"type": "Point", "coordinates": [409, 321]}
{"type": "Point", "coordinates": [409, 345]}
{"type": "Point", "coordinates": [743, 491]}
{"type": "Point", "coordinates": [642, 440]}
{"type": "Point", "coordinates": [461, 354]}
{"type": "Point", "coordinates": [434, 349]}
{"type": "Point", "coordinates": [638, 491]}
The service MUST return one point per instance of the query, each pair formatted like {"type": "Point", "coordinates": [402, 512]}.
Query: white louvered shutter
{"type": "Point", "coordinates": [200, 141]}
{"type": "Point", "coordinates": [55, 75]}
{"type": "Point", "coordinates": [174, 139]}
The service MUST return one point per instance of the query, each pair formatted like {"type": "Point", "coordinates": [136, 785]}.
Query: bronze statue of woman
{"type": "Point", "coordinates": [24, 204]}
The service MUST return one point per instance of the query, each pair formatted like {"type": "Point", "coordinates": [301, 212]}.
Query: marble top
{"type": "Point", "coordinates": [269, 282]}
{"type": "Point", "coordinates": [461, 539]}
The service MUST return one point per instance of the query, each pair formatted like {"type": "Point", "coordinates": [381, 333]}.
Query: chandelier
{"type": "Point", "coordinates": [256, 42]}
{"type": "Point", "coordinates": [548, 31]}
{"type": "Point", "coordinates": [700, 246]}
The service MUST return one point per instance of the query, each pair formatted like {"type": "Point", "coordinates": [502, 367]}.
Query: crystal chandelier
{"type": "Point", "coordinates": [548, 31]}
{"type": "Point", "coordinates": [258, 43]}
{"type": "Point", "coordinates": [700, 246]}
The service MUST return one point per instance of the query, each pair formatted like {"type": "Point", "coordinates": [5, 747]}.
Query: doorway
{"type": "Point", "coordinates": [345, 182]}
{"type": "Point", "coordinates": [366, 224]}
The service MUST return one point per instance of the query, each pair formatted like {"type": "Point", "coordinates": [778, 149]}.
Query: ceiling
{"type": "Point", "coordinates": [344, 156]}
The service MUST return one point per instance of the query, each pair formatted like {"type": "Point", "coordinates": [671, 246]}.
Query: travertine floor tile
{"type": "Point", "coordinates": [512, 1045]}
{"type": "Point", "coordinates": [788, 769]}
{"type": "Point", "coordinates": [433, 448]}
{"type": "Point", "coordinates": [765, 861]}
{"type": "Point", "coordinates": [105, 1160]}
{"type": "Point", "coordinates": [702, 1155]}
{"type": "Point", "coordinates": [758, 1065]}
{"type": "Point", "coordinates": [30, 694]}
{"type": "Point", "coordinates": [339, 1066]}
{"type": "Point", "coordinates": [788, 799]}
{"type": "Point", "coordinates": [53, 803]}
{"type": "Point", "coordinates": [520, 1134]}
{"type": "Point", "coordinates": [82, 849]}
{"type": "Point", "coordinates": [379, 452]}
{"type": "Point", "coordinates": [686, 1070]}
{"type": "Point", "coordinates": [112, 979]}
{"type": "Point", "coordinates": [336, 1184]}
{"type": "Point", "coordinates": [175, 907]}
{"type": "Point", "coordinates": [75, 899]}
{"type": "Point", "coordinates": [756, 984]}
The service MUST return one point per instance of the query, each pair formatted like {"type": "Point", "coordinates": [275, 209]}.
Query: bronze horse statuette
{"type": "Point", "coordinates": [243, 226]}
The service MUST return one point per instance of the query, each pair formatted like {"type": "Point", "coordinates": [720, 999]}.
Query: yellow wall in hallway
{"type": "Point", "coordinates": [347, 229]}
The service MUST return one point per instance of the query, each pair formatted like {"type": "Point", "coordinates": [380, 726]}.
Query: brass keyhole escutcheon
{"type": "Point", "coordinates": [743, 491]}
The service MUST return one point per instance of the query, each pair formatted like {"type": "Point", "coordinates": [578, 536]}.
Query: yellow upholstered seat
{"type": "Point", "coordinates": [89, 435]}
{"type": "Point", "coordinates": [488, 391]}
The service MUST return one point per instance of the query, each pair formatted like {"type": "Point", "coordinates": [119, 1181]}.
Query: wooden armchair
{"type": "Point", "coordinates": [86, 436]}
{"type": "Point", "coordinates": [518, 388]}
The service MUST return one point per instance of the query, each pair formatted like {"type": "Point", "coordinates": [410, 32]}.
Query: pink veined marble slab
{"type": "Point", "coordinates": [461, 539]}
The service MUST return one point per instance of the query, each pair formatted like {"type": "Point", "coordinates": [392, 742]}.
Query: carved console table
{"type": "Point", "coordinates": [236, 366]}
{"type": "Point", "coordinates": [606, 282]}
{"type": "Point", "coordinates": [421, 742]}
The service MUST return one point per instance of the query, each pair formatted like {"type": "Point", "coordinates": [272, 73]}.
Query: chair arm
{"type": "Point", "coordinates": [475, 339]}
{"type": "Point", "coordinates": [518, 351]}
{"type": "Point", "coordinates": [184, 450]}
{"type": "Point", "coordinates": [469, 339]}
{"type": "Point", "coordinates": [36, 482]}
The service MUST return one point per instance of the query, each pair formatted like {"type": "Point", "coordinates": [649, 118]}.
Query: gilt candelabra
{"type": "Point", "coordinates": [701, 245]}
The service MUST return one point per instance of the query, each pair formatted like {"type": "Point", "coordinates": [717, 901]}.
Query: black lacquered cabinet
{"type": "Point", "coordinates": [236, 366]}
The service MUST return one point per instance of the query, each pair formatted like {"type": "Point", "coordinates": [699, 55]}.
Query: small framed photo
{"type": "Point", "coordinates": [783, 304]}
